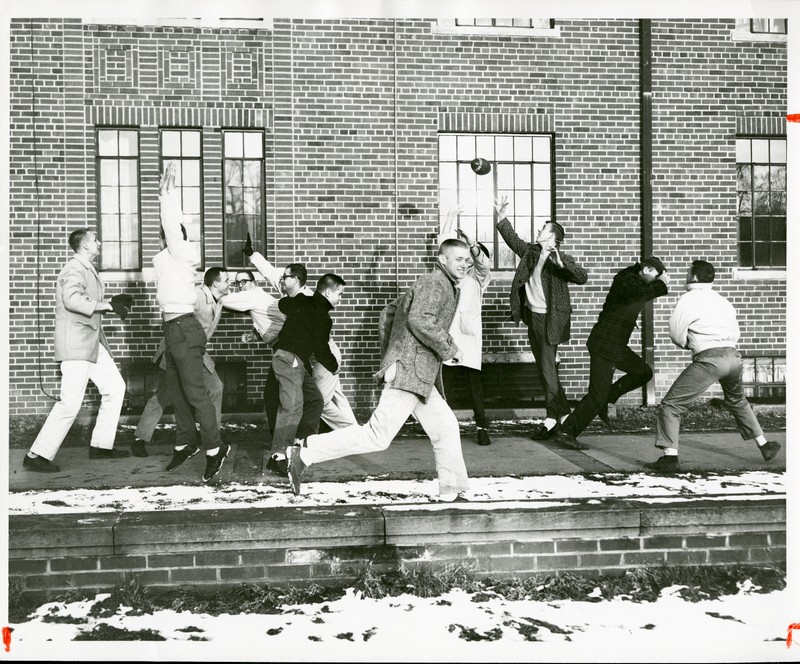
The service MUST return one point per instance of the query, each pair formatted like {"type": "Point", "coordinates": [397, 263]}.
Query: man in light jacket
{"type": "Point", "coordinates": [704, 322]}
{"type": "Point", "coordinates": [82, 349]}
{"type": "Point", "coordinates": [414, 343]}
{"type": "Point", "coordinates": [467, 327]}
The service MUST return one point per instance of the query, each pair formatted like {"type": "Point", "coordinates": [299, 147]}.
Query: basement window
{"type": "Point", "coordinates": [520, 27]}
{"type": "Point", "coordinates": [764, 378]}
{"type": "Point", "coordinates": [760, 30]}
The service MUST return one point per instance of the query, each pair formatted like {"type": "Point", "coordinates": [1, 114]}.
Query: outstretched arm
{"type": "Point", "coordinates": [171, 213]}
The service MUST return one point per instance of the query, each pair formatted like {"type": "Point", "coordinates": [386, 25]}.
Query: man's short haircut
{"type": "Point", "coordinates": [558, 230]}
{"type": "Point", "coordinates": [76, 238]}
{"type": "Point", "coordinates": [212, 274]}
{"type": "Point", "coordinates": [654, 263]}
{"type": "Point", "coordinates": [446, 246]}
{"type": "Point", "coordinates": [330, 280]}
{"type": "Point", "coordinates": [703, 270]}
{"type": "Point", "coordinates": [249, 273]}
{"type": "Point", "coordinates": [299, 271]}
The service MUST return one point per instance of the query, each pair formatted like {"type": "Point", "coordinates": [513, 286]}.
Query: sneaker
{"type": "Point", "coordinates": [214, 463]}
{"type": "Point", "coordinates": [483, 437]}
{"type": "Point", "coordinates": [139, 448]}
{"type": "Point", "coordinates": [666, 464]}
{"type": "Point", "coordinates": [97, 453]}
{"type": "Point", "coordinates": [39, 465]}
{"type": "Point", "coordinates": [569, 442]}
{"type": "Point", "coordinates": [450, 498]}
{"type": "Point", "coordinates": [179, 456]}
{"type": "Point", "coordinates": [769, 450]}
{"type": "Point", "coordinates": [278, 466]}
{"type": "Point", "coordinates": [541, 432]}
{"type": "Point", "coordinates": [295, 469]}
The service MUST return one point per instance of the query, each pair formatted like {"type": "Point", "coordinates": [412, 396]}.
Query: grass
{"type": "Point", "coordinates": [643, 584]}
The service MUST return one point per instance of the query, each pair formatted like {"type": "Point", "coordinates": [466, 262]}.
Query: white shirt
{"type": "Point", "coordinates": [533, 289]}
{"type": "Point", "coordinates": [703, 319]}
{"type": "Point", "coordinates": [263, 307]}
{"type": "Point", "coordinates": [176, 266]}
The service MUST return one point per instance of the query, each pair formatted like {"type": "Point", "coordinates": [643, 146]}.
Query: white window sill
{"type": "Point", "coordinates": [743, 274]}
{"type": "Point", "coordinates": [746, 35]}
{"type": "Point", "coordinates": [522, 357]}
{"type": "Point", "coordinates": [495, 31]}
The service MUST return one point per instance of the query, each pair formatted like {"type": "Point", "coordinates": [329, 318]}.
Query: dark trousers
{"type": "Point", "coordinates": [185, 343]}
{"type": "Point", "coordinates": [637, 373]}
{"type": "Point", "coordinates": [300, 401]}
{"type": "Point", "coordinates": [545, 355]}
{"type": "Point", "coordinates": [271, 399]}
{"type": "Point", "coordinates": [475, 386]}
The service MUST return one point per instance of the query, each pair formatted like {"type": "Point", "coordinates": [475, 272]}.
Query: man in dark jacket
{"type": "Point", "coordinates": [608, 345]}
{"type": "Point", "coordinates": [540, 298]}
{"type": "Point", "coordinates": [414, 341]}
{"type": "Point", "coordinates": [305, 331]}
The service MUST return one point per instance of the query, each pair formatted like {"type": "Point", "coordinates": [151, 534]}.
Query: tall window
{"type": "Point", "coordinates": [184, 147]}
{"type": "Point", "coordinates": [117, 168]}
{"type": "Point", "coordinates": [521, 170]}
{"type": "Point", "coordinates": [761, 189]}
{"type": "Point", "coordinates": [244, 193]}
{"type": "Point", "coordinates": [775, 26]}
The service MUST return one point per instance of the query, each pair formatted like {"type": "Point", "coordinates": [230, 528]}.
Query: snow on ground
{"type": "Point", "coordinates": [491, 492]}
{"type": "Point", "coordinates": [453, 627]}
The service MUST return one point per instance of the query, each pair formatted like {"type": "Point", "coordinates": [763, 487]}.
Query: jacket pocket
{"type": "Point", "coordinates": [426, 364]}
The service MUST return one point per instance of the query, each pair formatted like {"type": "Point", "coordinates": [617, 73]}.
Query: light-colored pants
{"type": "Point", "coordinates": [75, 374]}
{"type": "Point", "coordinates": [435, 417]}
{"type": "Point", "coordinates": [722, 365]}
{"type": "Point", "coordinates": [336, 413]}
{"type": "Point", "coordinates": [154, 408]}
{"type": "Point", "coordinates": [300, 403]}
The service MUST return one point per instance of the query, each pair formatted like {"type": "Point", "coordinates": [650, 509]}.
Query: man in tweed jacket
{"type": "Point", "coordinates": [414, 341]}
{"type": "Point", "coordinates": [608, 346]}
{"type": "Point", "coordinates": [540, 297]}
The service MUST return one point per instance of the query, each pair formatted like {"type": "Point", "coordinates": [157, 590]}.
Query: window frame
{"type": "Point", "coordinates": [448, 26]}
{"type": "Point", "coordinates": [98, 192]}
{"type": "Point", "coordinates": [257, 246]}
{"type": "Point", "coordinates": [752, 268]}
{"type": "Point", "coordinates": [770, 23]}
{"type": "Point", "coordinates": [199, 159]}
{"type": "Point", "coordinates": [497, 240]}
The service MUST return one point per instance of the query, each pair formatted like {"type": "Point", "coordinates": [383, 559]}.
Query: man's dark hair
{"type": "Point", "coordinates": [558, 230]}
{"type": "Point", "coordinates": [703, 270]}
{"type": "Point", "coordinates": [212, 274]}
{"type": "Point", "coordinates": [76, 238]}
{"type": "Point", "coordinates": [329, 280]}
{"type": "Point", "coordinates": [452, 244]}
{"type": "Point", "coordinates": [249, 273]}
{"type": "Point", "coordinates": [299, 271]}
{"type": "Point", "coordinates": [654, 263]}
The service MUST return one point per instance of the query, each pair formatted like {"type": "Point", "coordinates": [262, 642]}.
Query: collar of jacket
{"type": "Point", "coordinates": [209, 295]}
{"type": "Point", "coordinates": [322, 301]}
{"type": "Point", "coordinates": [439, 267]}
{"type": "Point", "coordinates": [85, 262]}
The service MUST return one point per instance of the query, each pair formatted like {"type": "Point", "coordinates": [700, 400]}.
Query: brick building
{"type": "Point", "coordinates": [339, 143]}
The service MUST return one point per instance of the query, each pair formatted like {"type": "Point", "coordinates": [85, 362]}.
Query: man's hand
{"type": "Point", "coordinates": [121, 304]}
{"type": "Point", "coordinates": [167, 183]}
{"type": "Point", "coordinates": [248, 246]}
{"type": "Point", "coordinates": [500, 205]}
{"type": "Point", "coordinates": [249, 337]}
{"type": "Point", "coordinates": [556, 254]}
{"type": "Point", "coordinates": [664, 276]}
{"type": "Point", "coordinates": [459, 356]}
{"type": "Point", "coordinates": [463, 236]}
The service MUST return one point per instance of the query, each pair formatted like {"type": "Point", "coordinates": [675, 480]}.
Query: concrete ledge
{"type": "Point", "coordinates": [61, 535]}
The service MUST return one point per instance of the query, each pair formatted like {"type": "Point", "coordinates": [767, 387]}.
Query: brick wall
{"type": "Point", "coordinates": [50, 554]}
{"type": "Point", "coordinates": [351, 110]}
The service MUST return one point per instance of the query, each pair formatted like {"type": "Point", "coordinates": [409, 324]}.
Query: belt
{"type": "Point", "coordinates": [178, 318]}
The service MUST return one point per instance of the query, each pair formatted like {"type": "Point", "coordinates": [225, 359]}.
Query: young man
{"type": "Point", "coordinates": [184, 337]}
{"type": "Point", "coordinates": [414, 343]}
{"type": "Point", "coordinates": [82, 349]}
{"type": "Point", "coordinates": [305, 332]}
{"type": "Point", "coordinates": [704, 322]}
{"type": "Point", "coordinates": [207, 310]}
{"type": "Point", "coordinates": [540, 298]}
{"type": "Point", "coordinates": [608, 346]}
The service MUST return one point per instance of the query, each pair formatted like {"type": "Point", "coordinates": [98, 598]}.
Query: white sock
{"type": "Point", "coordinates": [279, 456]}
{"type": "Point", "coordinates": [670, 451]}
{"type": "Point", "coordinates": [178, 448]}
{"type": "Point", "coordinates": [32, 455]}
{"type": "Point", "coordinates": [212, 452]}
{"type": "Point", "coordinates": [563, 418]}
{"type": "Point", "coordinates": [760, 440]}
{"type": "Point", "coordinates": [448, 497]}
{"type": "Point", "coordinates": [549, 423]}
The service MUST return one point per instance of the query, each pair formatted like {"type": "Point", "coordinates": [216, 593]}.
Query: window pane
{"type": "Point", "coordinates": [779, 370]}
{"type": "Point", "coordinates": [748, 370]}
{"type": "Point", "coordinates": [777, 178]}
{"type": "Point", "coordinates": [541, 203]}
{"type": "Point", "coordinates": [505, 257]}
{"type": "Point", "coordinates": [503, 22]}
{"type": "Point", "coordinates": [522, 203]}
{"type": "Point", "coordinates": [252, 173]}
{"type": "Point", "coordinates": [779, 254]}
{"type": "Point", "coordinates": [253, 144]}
{"type": "Point", "coordinates": [777, 151]}
{"type": "Point", "coordinates": [191, 144]}
{"type": "Point", "coordinates": [761, 178]}
{"type": "Point", "coordinates": [541, 176]}
{"type": "Point", "coordinates": [467, 199]}
{"type": "Point", "coordinates": [466, 177]}
{"type": "Point", "coordinates": [504, 148]}
{"type": "Point", "coordinates": [447, 176]}
{"type": "Point", "coordinates": [109, 172]}
{"type": "Point", "coordinates": [193, 226]}
{"type": "Point", "coordinates": [777, 203]}
{"type": "Point", "coordinates": [745, 202]}
{"type": "Point", "coordinates": [743, 174]}
{"type": "Point", "coordinates": [234, 144]}
{"type": "Point", "coordinates": [759, 24]}
{"type": "Point", "coordinates": [252, 200]}
{"type": "Point", "coordinates": [190, 173]}
{"type": "Point", "coordinates": [109, 229]}
{"type": "Point", "coordinates": [447, 148]}
{"type": "Point", "coordinates": [541, 148]}
{"type": "Point", "coordinates": [746, 229]}
{"type": "Point", "coordinates": [523, 227]}
{"type": "Point", "coordinates": [779, 25]}
{"type": "Point", "coordinates": [107, 143]}
{"type": "Point", "coordinates": [110, 256]}
{"type": "Point", "coordinates": [467, 223]}
{"type": "Point", "coordinates": [778, 228]}
{"type": "Point", "coordinates": [761, 202]}
{"type": "Point", "coordinates": [522, 176]}
{"type": "Point", "coordinates": [486, 231]}
{"type": "Point", "coordinates": [233, 173]}
{"type": "Point", "coordinates": [170, 143]}
{"type": "Point", "coordinates": [129, 256]}
{"type": "Point", "coordinates": [128, 227]}
{"type": "Point", "coordinates": [484, 147]}
{"type": "Point", "coordinates": [128, 143]}
{"type": "Point", "coordinates": [760, 151]}
{"type": "Point", "coordinates": [523, 149]}
{"type": "Point", "coordinates": [505, 176]}
{"type": "Point", "coordinates": [743, 150]}
{"type": "Point", "coordinates": [129, 200]}
{"type": "Point", "coordinates": [746, 254]}
{"type": "Point", "coordinates": [128, 175]}
{"type": "Point", "coordinates": [762, 229]}
{"type": "Point", "coordinates": [762, 254]}
{"type": "Point", "coordinates": [465, 148]}
{"type": "Point", "coordinates": [191, 200]}
{"type": "Point", "coordinates": [109, 200]}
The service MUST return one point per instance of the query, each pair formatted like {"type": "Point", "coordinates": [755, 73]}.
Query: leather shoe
{"type": "Point", "coordinates": [278, 466]}
{"type": "Point", "coordinates": [666, 464]}
{"type": "Point", "coordinates": [566, 440]}
{"type": "Point", "coordinates": [458, 498]}
{"type": "Point", "coordinates": [769, 450]}
{"type": "Point", "coordinates": [39, 465]}
{"type": "Point", "coordinates": [483, 437]}
{"type": "Point", "coordinates": [541, 432]}
{"type": "Point", "coordinates": [179, 456]}
{"type": "Point", "coordinates": [97, 453]}
{"type": "Point", "coordinates": [139, 448]}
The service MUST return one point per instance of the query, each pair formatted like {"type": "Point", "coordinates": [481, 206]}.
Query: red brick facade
{"type": "Point", "coordinates": [351, 110]}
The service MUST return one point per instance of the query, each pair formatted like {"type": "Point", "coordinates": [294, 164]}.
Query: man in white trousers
{"type": "Point", "coordinates": [82, 349]}
{"type": "Point", "coordinates": [414, 343]}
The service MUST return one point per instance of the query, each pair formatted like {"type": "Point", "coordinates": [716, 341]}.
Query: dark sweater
{"type": "Point", "coordinates": [307, 329]}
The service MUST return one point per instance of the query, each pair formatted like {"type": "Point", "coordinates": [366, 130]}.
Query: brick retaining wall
{"type": "Point", "coordinates": [50, 554]}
